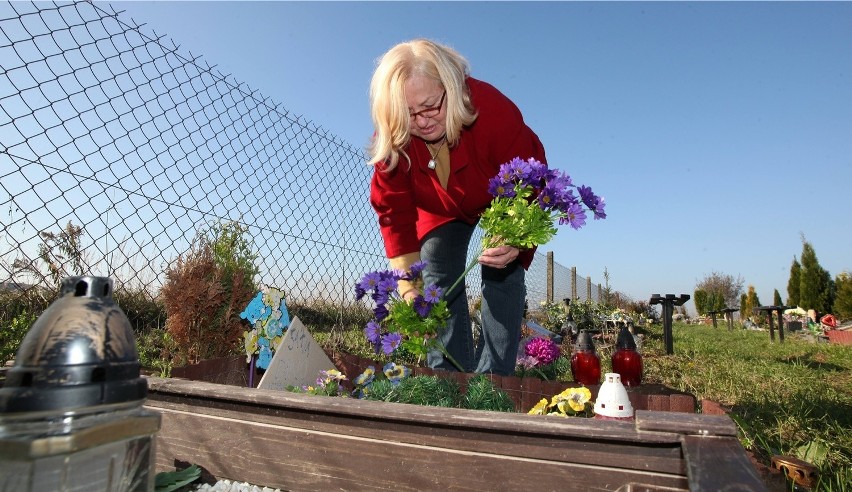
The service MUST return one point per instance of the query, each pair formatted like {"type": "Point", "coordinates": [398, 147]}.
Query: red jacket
{"type": "Point", "coordinates": [410, 201]}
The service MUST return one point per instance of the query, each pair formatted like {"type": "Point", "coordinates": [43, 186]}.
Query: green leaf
{"type": "Point", "coordinates": [813, 452]}
{"type": "Point", "coordinates": [171, 481]}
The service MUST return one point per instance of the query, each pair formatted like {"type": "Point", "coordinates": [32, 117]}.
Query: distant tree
{"type": "Point", "coordinates": [700, 298]}
{"type": "Point", "coordinates": [816, 288]}
{"type": "Point", "coordinates": [60, 252]}
{"type": "Point", "coordinates": [843, 299]}
{"type": "Point", "coordinates": [724, 290]}
{"type": "Point", "coordinates": [751, 301]}
{"type": "Point", "coordinates": [776, 299]}
{"type": "Point", "coordinates": [716, 302]}
{"type": "Point", "coordinates": [743, 301]}
{"type": "Point", "coordinates": [793, 298]}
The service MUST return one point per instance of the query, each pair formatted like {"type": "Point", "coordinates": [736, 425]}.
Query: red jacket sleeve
{"type": "Point", "coordinates": [392, 197]}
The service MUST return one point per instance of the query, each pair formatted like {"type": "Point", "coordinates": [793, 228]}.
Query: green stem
{"type": "Point", "coordinates": [543, 377]}
{"type": "Point", "coordinates": [450, 357]}
{"type": "Point", "coordinates": [446, 295]}
{"type": "Point", "coordinates": [464, 274]}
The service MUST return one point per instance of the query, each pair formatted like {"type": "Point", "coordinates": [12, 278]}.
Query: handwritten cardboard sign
{"type": "Point", "coordinates": [297, 361]}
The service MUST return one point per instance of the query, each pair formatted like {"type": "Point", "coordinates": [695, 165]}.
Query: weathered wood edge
{"type": "Point", "coordinates": [685, 423]}
{"type": "Point", "coordinates": [719, 463]}
{"type": "Point", "coordinates": [160, 389]}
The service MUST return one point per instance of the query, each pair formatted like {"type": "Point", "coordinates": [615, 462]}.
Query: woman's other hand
{"type": "Point", "coordinates": [499, 257]}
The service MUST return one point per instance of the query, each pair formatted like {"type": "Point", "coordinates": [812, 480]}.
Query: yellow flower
{"type": "Point", "coordinates": [335, 375]}
{"type": "Point", "coordinates": [575, 398]}
{"type": "Point", "coordinates": [539, 407]}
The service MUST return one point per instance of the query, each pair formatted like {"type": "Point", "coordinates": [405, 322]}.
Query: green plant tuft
{"type": "Point", "coordinates": [483, 395]}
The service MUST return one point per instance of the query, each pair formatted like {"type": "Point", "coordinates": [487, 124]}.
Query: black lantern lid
{"type": "Point", "coordinates": [625, 340]}
{"type": "Point", "coordinates": [584, 342]}
{"type": "Point", "coordinates": [79, 353]}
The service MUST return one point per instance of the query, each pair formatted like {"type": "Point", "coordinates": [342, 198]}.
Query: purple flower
{"type": "Point", "coordinates": [599, 209]}
{"type": "Point", "coordinates": [506, 173]}
{"type": "Point", "coordinates": [548, 198]}
{"type": "Point", "coordinates": [390, 342]}
{"type": "Point", "coordinates": [421, 307]}
{"type": "Point", "coordinates": [534, 173]}
{"type": "Point", "coordinates": [414, 271]}
{"type": "Point", "coordinates": [370, 281]}
{"type": "Point", "coordinates": [359, 292]}
{"type": "Point", "coordinates": [575, 216]}
{"type": "Point", "coordinates": [527, 362]}
{"type": "Point", "coordinates": [588, 197]}
{"type": "Point", "coordinates": [540, 174]}
{"type": "Point", "coordinates": [373, 331]}
{"type": "Point", "coordinates": [433, 294]}
{"type": "Point", "coordinates": [387, 285]}
{"type": "Point", "coordinates": [543, 349]}
{"type": "Point", "coordinates": [499, 188]}
{"type": "Point", "coordinates": [381, 312]}
{"type": "Point", "coordinates": [521, 170]}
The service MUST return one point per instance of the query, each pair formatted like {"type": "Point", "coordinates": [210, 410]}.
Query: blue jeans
{"type": "Point", "coordinates": [503, 295]}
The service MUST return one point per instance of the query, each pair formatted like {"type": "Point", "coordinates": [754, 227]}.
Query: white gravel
{"type": "Point", "coordinates": [229, 486]}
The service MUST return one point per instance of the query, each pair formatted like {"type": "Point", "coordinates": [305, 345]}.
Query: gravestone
{"type": "Point", "coordinates": [297, 361]}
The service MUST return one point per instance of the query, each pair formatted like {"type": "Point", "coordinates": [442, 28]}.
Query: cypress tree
{"type": "Point", "coordinates": [793, 298]}
{"type": "Point", "coordinates": [751, 301]}
{"type": "Point", "coordinates": [816, 289]}
{"type": "Point", "coordinates": [776, 299]}
{"type": "Point", "coordinates": [843, 300]}
{"type": "Point", "coordinates": [700, 299]}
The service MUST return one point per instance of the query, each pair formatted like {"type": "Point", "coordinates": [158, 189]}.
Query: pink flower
{"type": "Point", "coordinates": [543, 349]}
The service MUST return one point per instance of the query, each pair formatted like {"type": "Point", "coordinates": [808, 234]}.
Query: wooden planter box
{"type": "Point", "coordinates": [525, 392]}
{"type": "Point", "coordinates": [302, 442]}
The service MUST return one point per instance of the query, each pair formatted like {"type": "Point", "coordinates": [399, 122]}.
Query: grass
{"type": "Point", "coordinates": [793, 398]}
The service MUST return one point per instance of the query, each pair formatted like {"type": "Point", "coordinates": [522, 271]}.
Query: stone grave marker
{"type": "Point", "coordinates": [297, 361]}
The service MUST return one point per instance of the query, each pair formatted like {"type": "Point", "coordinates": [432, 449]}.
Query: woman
{"type": "Point", "coordinates": [440, 135]}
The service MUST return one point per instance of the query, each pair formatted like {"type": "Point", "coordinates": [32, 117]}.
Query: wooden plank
{"type": "Point", "coordinates": [470, 430]}
{"type": "Point", "coordinates": [317, 408]}
{"type": "Point", "coordinates": [583, 449]}
{"type": "Point", "coordinates": [719, 463]}
{"type": "Point", "coordinates": [299, 459]}
{"type": "Point", "coordinates": [685, 423]}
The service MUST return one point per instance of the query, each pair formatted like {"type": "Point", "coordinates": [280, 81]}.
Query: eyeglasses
{"type": "Point", "coordinates": [430, 112]}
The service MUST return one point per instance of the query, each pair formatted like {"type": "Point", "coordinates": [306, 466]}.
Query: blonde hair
{"type": "Point", "coordinates": [388, 106]}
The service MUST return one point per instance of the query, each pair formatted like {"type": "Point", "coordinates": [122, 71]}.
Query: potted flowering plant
{"type": "Point", "coordinates": [540, 357]}
{"type": "Point", "coordinates": [529, 201]}
{"type": "Point", "coordinates": [573, 402]}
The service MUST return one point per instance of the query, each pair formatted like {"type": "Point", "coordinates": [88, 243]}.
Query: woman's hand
{"type": "Point", "coordinates": [410, 294]}
{"type": "Point", "coordinates": [499, 257]}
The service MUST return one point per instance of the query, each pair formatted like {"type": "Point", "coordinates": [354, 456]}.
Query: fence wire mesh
{"type": "Point", "coordinates": [117, 148]}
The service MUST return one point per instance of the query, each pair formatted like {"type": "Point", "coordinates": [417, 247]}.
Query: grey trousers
{"type": "Point", "coordinates": [503, 295]}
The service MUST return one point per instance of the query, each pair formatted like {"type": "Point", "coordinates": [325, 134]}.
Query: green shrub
{"type": "Point", "coordinates": [12, 335]}
{"type": "Point", "coordinates": [205, 291]}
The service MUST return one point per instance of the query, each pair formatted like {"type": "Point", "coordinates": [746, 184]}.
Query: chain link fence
{"type": "Point", "coordinates": [117, 149]}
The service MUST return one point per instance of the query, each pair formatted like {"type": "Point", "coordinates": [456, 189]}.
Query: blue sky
{"type": "Point", "coordinates": [719, 133]}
